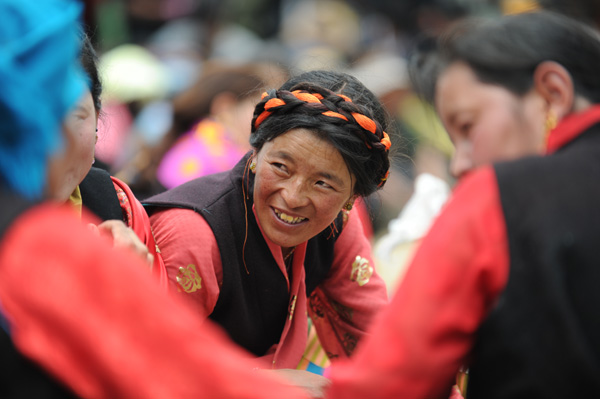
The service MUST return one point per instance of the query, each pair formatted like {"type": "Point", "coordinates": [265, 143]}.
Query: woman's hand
{"type": "Point", "coordinates": [123, 237]}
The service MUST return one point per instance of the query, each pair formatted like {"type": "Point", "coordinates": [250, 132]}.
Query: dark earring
{"type": "Point", "coordinates": [348, 206]}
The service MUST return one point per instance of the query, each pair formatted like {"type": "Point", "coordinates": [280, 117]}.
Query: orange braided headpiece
{"type": "Point", "coordinates": [364, 121]}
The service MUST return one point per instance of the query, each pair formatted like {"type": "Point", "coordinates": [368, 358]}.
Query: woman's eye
{"type": "Point", "coordinates": [465, 128]}
{"type": "Point", "coordinates": [279, 166]}
{"type": "Point", "coordinates": [79, 116]}
{"type": "Point", "coordinates": [323, 184]}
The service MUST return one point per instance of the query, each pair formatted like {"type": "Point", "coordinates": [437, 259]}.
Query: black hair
{"type": "Point", "coordinates": [89, 61]}
{"type": "Point", "coordinates": [506, 51]}
{"type": "Point", "coordinates": [365, 155]}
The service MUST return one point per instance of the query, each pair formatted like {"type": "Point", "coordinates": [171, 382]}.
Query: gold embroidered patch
{"type": "Point", "coordinates": [361, 271]}
{"type": "Point", "coordinates": [188, 278]}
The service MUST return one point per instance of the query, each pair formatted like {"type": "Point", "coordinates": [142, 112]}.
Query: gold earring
{"type": "Point", "coordinates": [253, 166]}
{"type": "Point", "coordinates": [551, 121]}
{"type": "Point", "coordinates": [348, 206]}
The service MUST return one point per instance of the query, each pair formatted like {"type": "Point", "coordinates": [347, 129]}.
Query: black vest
{"type": "Point", "coordinates": [542, 339]}
{"type": "Point", "coordinates": [98, 194]}
{"type": "Point", "coordinates": [251, 307]}
{"type": "Point", "coordinates": [19, 376]}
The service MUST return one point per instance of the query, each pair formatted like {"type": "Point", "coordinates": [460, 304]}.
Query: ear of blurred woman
{"type": "Point", "coordinates": [554, 83]}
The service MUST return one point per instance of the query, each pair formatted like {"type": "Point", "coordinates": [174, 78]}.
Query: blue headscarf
{"type": "Point", "coordinates": [40, 80]}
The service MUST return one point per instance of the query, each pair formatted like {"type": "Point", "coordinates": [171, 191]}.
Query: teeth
{"type": "Point", "coordinates": [288, 218]}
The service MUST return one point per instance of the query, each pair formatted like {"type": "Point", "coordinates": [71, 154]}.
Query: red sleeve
{"type": "Point", "coordinates": [139, 222]}
{"type": "Point", "coordinates": [191, 256]}
{"type": "Point", "coordinates": [343, 305]}
{"type": "Point", "coordinates": [94, 318]}
{"type": "Point", "coordinates": [421, 339]}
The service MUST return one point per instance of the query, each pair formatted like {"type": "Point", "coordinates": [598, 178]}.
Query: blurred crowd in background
{"type": "Point", "coordinates": [181, 78]}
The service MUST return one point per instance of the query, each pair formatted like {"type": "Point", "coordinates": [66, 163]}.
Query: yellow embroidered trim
{"type": "Point", "coordinates": [293, 306]}
{"type": "Point", "coordinates": [76, 200]}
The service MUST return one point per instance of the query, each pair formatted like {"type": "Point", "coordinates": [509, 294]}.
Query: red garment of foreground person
{"type": "Point", "coordinates": [93, 317]}
{"type": "Point", "coordinates": [449, 304]}
{"type": "Point", "coordinates": [506, 280]}
{"type": "Point", "coordinates": [421, 339]}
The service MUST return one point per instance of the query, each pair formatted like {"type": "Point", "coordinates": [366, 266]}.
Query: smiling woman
{"type": "Point", "coordinates": [258, 247]}
{"type": "Point", "coordinates": [301, 185]}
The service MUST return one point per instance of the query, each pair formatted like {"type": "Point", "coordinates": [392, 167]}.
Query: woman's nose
{"type": "Point", "coordinates": [295, 193]}
{"type": "Point", "coordinates": [461, 162]}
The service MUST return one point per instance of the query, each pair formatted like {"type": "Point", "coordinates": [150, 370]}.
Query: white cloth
{"type": "Point", "coordinates": [414, 220]}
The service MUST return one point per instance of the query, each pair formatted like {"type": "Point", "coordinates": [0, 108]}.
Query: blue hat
{"type": "Point", "coordinates": [40, 80]}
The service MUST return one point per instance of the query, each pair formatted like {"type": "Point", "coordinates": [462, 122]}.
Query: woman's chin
{"type": "Point", "coordinates": [63, 192]}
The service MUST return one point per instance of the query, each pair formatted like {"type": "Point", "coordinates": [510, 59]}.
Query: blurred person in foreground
{"type": "Point", "coordinates": [77, 316]}
{"type": "Point", "coordinates": [259, 246]}
{"type": "Point", "coordinates": [122, 216]}
{"type": "Point", "coordinates": [505, 281]}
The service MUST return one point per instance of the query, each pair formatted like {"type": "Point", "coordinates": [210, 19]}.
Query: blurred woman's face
{"type": "Point", "coordinates": [78, 153]}
{"type": "Point", "coordinates": [301, 184]}
{"type": "Point", "coordinates": [486, 122]}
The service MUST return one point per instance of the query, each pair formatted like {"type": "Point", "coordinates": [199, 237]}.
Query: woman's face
{"type": "Point", "coordinates": [301, 184]}
{"type": "Point", "coordinates": [486, 122]}
{"type": "Point", "coordinates": [78, 155]}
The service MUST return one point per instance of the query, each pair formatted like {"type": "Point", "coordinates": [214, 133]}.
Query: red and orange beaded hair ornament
{"type": "Point", "coordinates": [362, 120]}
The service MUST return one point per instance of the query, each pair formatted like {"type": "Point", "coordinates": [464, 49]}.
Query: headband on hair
{"type": "Point", "coordinates": [362, 120]}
